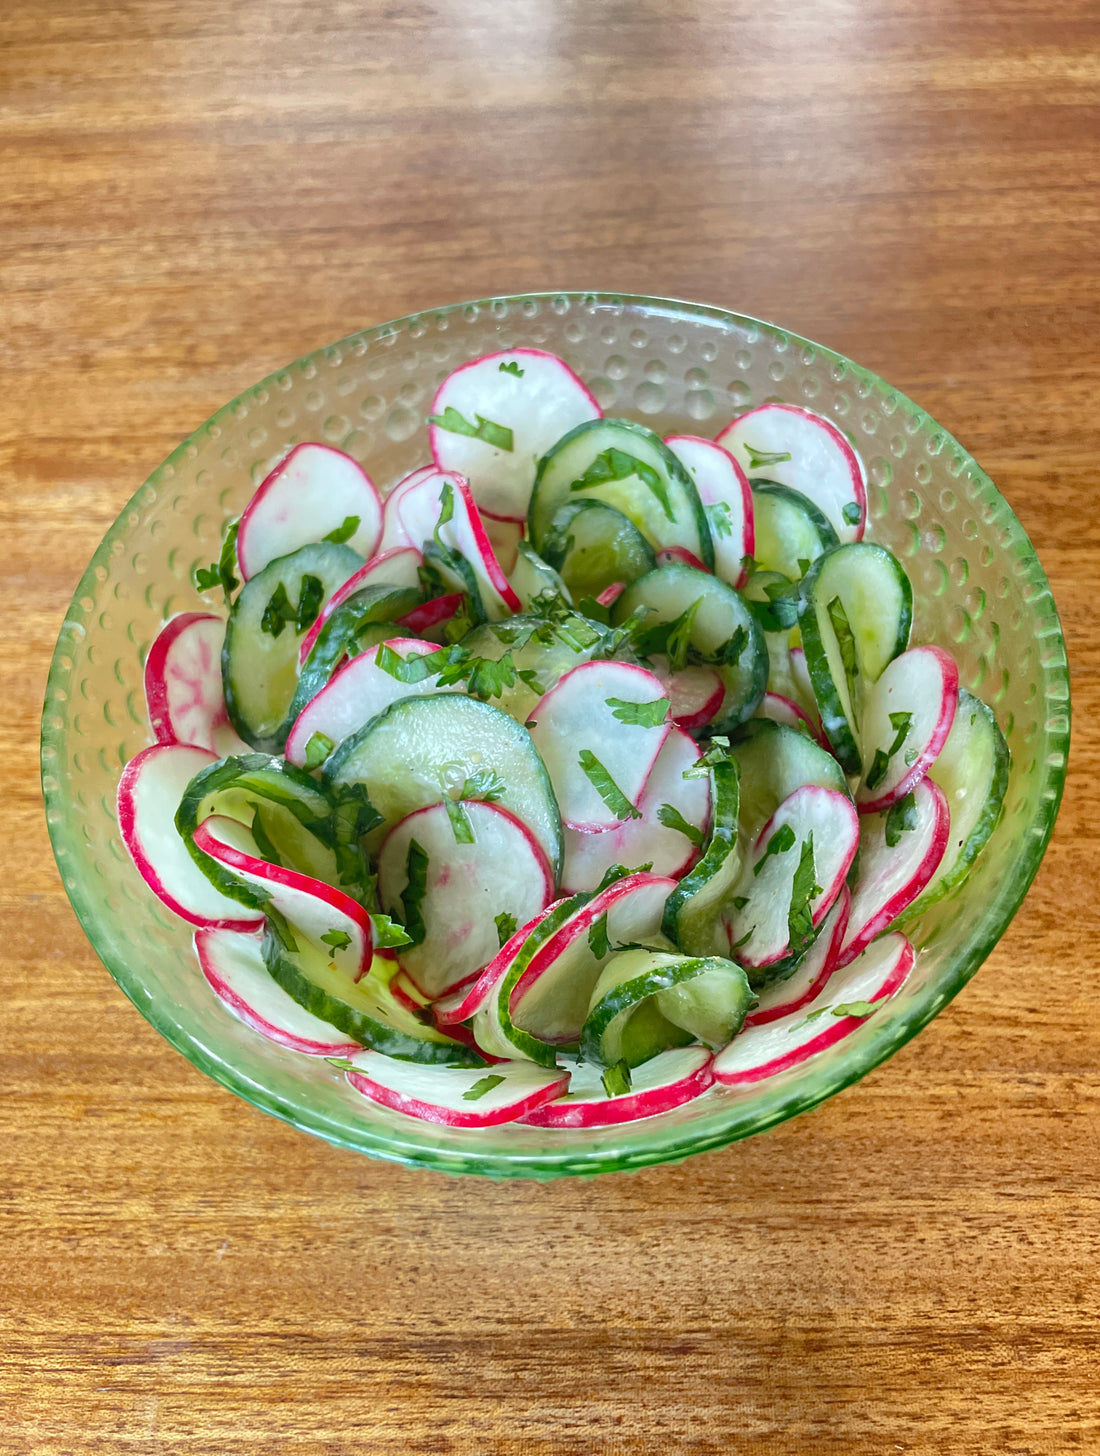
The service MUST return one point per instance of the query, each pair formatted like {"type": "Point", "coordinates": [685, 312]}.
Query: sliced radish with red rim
{"type": "Point", "coordinates": [456, 1096]}
{"type": "Point", "coordinates": [812, 972]}
{"type": "Point", "coordinates": [183, 685]}
{"type": "Point", "coordinates": [907, 716]}
{"type": "Point", "coordinates": [727, 500]}
{"type": "Point", "coordinates": [696, 693]}
{"type": "Point", "coordinates": [317, 493]}
{"type": "Point", "coordinates": [666, 1081]}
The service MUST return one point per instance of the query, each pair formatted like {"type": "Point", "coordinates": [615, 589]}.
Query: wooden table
{"type": "Point", "coordinates": [193, 194]}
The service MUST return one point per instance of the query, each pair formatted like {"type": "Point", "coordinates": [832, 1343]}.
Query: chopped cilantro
{"type": "Point", "coordinates": [311, 594]}
{"type": "Point", "coordinates": [617, 464]}
{"type": "Point", "coordinates": [719, 519]}
{"type": "Point", "coordinates": [862, 1009]}
{"type": "Point", "coordinates": [846, 641]}
{"type": "Point", "coordinates": [901, 819]}
{"type": "Point", "coordinates": [341, 1064]}
{"type": "Point", "coordinates": [338, 939]}
{"type": "Point", "coordinates": [221, 572]}
{"type": "Point", "coordinates": [511, 367]}
{"type": "Point", "coordinates": [786, 602]}
{"type": "Point", "coordinates": [461, 827]}
{"type": "Point", "coordinates": [479, 1089]}
{"type": "Point", "coordinates": [344, 532]}
{"type": "Point", "coordinates": [804, 890]}
{"type": "Point", "coordinates": [484, 785]}
{"type": "Point", "coordinates": [759, 458]}
{"type": "Point", "coordinates": [781, 841]}
{"type": "Point", "coordinates": [639, 715]}
{"type": "Point", "coordinates": [416, 876]}
{"type": "Point", "coordinates": [671, 818]}
{"type": "Point", "coordinates": [598, 942]}
{"type": "Point", "coordinates": [318, 749]}
{"type": "Point", "coordinates": [671, 638]}
{"type": "Point", "coordinates": [506, 926]}
{"type": "Point", "coordinates": [851, 513]}
{"type": "Point", "coordinates": [388, 934]}
{"type": "Point", "coordinates": [901, 723]}
{"type": "Point", "coordinates": [277, 613]}
{"type": "Point", "coordinates": [606, 786]}
{"type": "Point", "coordinates": [499, 436]}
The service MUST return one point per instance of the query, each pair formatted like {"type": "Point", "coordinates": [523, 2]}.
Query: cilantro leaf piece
{"type": "Point", "coordinates": [506, 926]}
{"type": "Point", "coordinates": [499, 436]}
{"type": "Point", "coordinates": [804, 564]}
{"type": "Point", "coordinates": [717, 753]}
{"type": "Point", "coordinates": [606, 786]}
{"type": "Point", "coordinates": [877, 772]}
{"type": "Point", "coordinates": [737, 944]}
{"type": "Point", "coordinates": [671, 818]}
{"type": "Point", "coordinates": [484, 785]}
{"type": "Point", "coordinates": [511, 367]}
{"type": "Point", "coordinates": [739, 902]}
{"type": "Point", "coordinates": [851, 513]}
{"type": "Point", "coordinates": [530, 678]}
{"type": "Point", "coordinates": [412, 897]}
{"type": "Point", "coordinates": [461, 827]}
{"type": "Point", "coordinates": [639, 715]}
{"type": "Point", "coordinates": [488, 679]}
{"type": "Point", "coordinates": [318, 748]}
{"type": "Point", "coordinates": [784, 598]}
{"type": "Point", "coordinates": [338, 939]}
{"type": "Point", "coordinates": [719, 519]}
{"type": "Point", "coordinates": [341, 1064]}
{"type": "Point", "coordinates": [759, 458]}
{"type": "Point", "coordinates": [310, 596]}
{"type": "Point", "coordinates": [804, 889]}
{"type": "Point", "coordinates": [781, 841]}
{"type": "Point", "coordinates": [846, 641]}
{"type": "Point", "coordinates": [615, 464]}
{"type": "Point", "coordinates": [901, 819]}
{"type": "Point", "coordinates": [355, 814]}
{"type": "Point", "coordinates": [598, 943]}
{"type": "Point", "coordinates": [344, 532]}
{"type": "Point", "coordinates": [388, 934]}
{"type": "Point", "coordinates": [479, 1089]}
{"type": "Point", "coordinates": [277, 613]}
{"type": "Point", "coordinates": [616, 1079]}
{"type": "Point", "coordinates": [671, 638]}
{"type": "Point", "coordinates": [732, 648]}
{"type": "Point", "coordinates": [221, 572]}
{"type": "Point", "coordinates": [862, 1009]}
{"type": "Point", "coordinates": [446, 509]}
{"type": "Point", "coordinates": [901, 723]}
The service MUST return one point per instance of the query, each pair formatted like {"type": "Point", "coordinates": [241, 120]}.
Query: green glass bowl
{"type": "Point", "coordinates": [979, 590]}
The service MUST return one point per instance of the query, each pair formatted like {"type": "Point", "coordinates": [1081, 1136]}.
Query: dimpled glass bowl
{"type": "Point", "coordinates": [979, 590]}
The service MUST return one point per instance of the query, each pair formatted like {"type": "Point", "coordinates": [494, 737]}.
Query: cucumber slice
{"type": "Point", "coordinates": [593, 545]}
{"type": "Point", "coordinates": [260, 668]}
{"type": "Point", "coordinates": [287, 812]}
{"type": "Point", "coordinates": [348, 632]}
{"type": "Point", "coordinates": [691, 918]}
{"type": "Point", "coordinates": [406, 757]}
{"type": "Point", "coordinates": [646, 1001]}
{"type": "Point", "coordinates": [693, 612]}
{"type": "Point", "coordinates": [629, 467]}
{"type": "Point", "coordinates": [972, 770]}
{"type": "Point", "coordinates": [774, 761]}
{"type": "Point", "coordinates": [790, 529]}
{"type": "Point", "coordinates": [533, 577]}
{"type": "Point", "coordinates": [856, 617]}
{"type": "Point", "coordinates": [364, 1010]}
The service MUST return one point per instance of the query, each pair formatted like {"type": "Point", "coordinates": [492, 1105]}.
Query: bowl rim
{"type": "Point", "coordinates": [865, 1049]}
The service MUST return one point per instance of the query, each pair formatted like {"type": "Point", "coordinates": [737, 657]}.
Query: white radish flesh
{"type": "Point", "coordinates": [727, 500]}
{"type": "Point", "coordinates": [923, 685]}
{"type": "Point", "coordinates": [668, 1080]}
{"type": "Point", "coordinates": [183, 685]}
{"type": "Point", "coordinates": [456, 1096]}
{"type": "Point", "coordinates": [812, 972]}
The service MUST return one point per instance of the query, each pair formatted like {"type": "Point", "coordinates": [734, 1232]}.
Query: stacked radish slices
{"type": "Point", "coordinates": [582, 771]}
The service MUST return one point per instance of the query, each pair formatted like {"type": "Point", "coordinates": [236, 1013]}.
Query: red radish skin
{"type": "Point", "coordinates": [212, 948]}
{"type": "Point", "coordinates": [450, 451]}
{"type": "Point", "coordinates": [459, 1005]}
{"type": "Point", "coordinates": [897, 958]}
{"type": "Point", "coordinates": [939, 680]}
{"type": "Point", "coordinates": [183, 685]}
{"type": "Point", "coordinates": [149, 793]}
{"type": "Point", "coordinates": [611, 594]}
{"type": "Point", "coordinates": [692, 1076]}
{"type": "Point", "coordinates": [432, 614]}
{"type": "Point", "coordinates": [813, 972]}
{"type": "Point", "coordinates": [876, 900]}
{"type": "Point", "coordinates": [696, 694]}
{"type": "Point", "coordinates": [308, 494]}
{"type": "Point", "coordinates": [797, 473]}
{"type": "Point", "coordinates": [670, 555]}
{"type": "Point", "coordinates": [392, 568]}
{"type": "Point", "coordinates": [779, 709]}
{"type": "Point", "coordinates": [290, 891]}
{"type": "Point", "coordinates": [536, 1087]}
{"type": "Point", "coordinates": [720, 480]}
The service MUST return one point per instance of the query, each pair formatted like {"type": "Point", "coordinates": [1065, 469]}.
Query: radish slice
{"type": "Point", "coordinates": [779, 709]}
{"type": "Point", "coordinates": [681, 556]}
{"type": "Point", "coordinates": [533, 397]}
{"type": "Point", "coordinates": [550, 999]}
{"type": "Point", "coordinates": [456, 1096]}
{"type": "Point", "coordinates": [648, 840]}
{"type": "Point", "coordinates": [666, 1081]}
{"type": "Point", "coordinates": [907, 716]}
{"type": "Point", "coordinates": [795, 447]}
{"type": "Point", "coordinates": [394, 535]}
{"type": "Point", "coordinates": [149, 793]}
{"type": "Point", "coordinates": [583, 743]}
{"type": "Point", "coordinates": [232, 962]}
{"type": "Point", "coordinates": [812, 972]}
{"type": "Point", "coordinates": [315, 491]}
{"type": "Point", "coordinates": [432, 614]}
{"type": "Point", "coordinates": [392, 568]}
{"type": "Point", "coordinates": [312, 907]}
{"type": "Point", "coordinates": [696, 693]}
{"type": "Point", "coordinates": [759, 930]}
{"type": "Point", "coordinates": [412, 518]}
{"type": "Point", "coordinates": [183, 685]}
{"type": "Point", "coordinates": [727, 499]}
{"type": "Point", "coordinates": [359, 691]}
{"type": "Point", "coordinates": [891, 876]}
{"type": "Point", "coordinates": [764, 1051]}
{"type": "Point", "coordinates": [466, 887]}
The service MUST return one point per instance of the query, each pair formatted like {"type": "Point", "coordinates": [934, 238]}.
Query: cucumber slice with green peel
{"type": "Point", "coordinates": [421, 747]}
{"type": "Point", "coordinates": [284, 809]}
{"type": "Point", "coordinates": [840, 1008]}
{"type": "Point", "coordinates": [275, 608]}
{"type": "Point", "coordinates": [692, 918]}
{"type": "Point", "coordinates": [793, 446]}
{"type": "Point", "coordinates": [449, 873]}
{"type": "Point", "coordinates": [533, 577]}
{"type": "Point", "coordinates": [397, 568]}
{"type": "Point", "coordinates": [972, 770]}
{"type": "Point", "coordinates": [790, 879]}
{"type": "Point", "coordinates": [593, 545]}
{"type": "Point", "coordinates": [791, 531]}
{"type": "Point", "coordinates": [454, 1096]}
{"type": "Point", "coordinates": [856, 617]}
{"type": "Point", "coordinates": [347, 632]}
{"type": "Point", "coordinates": [907, 717]}
{"type": "Point", "coordinates": [541, 652]}
{"type": "Point", "coordinates": [664, 1082]}
{"type": "Point", "coordinates": [629, 467]}
{"type": "Point", "coordinates": [647, 997]}
{"type": "Point", "coordinates": [774, 761]}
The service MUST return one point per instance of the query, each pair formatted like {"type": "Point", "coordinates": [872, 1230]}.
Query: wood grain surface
{"type": "Point", "coordinates": [193, 194]}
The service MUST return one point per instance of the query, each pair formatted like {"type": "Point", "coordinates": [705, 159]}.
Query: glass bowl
{"type": "Point", "coordinates": [978, 586]}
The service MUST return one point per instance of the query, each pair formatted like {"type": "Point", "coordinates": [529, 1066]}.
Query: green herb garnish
{"type": "Point", "coordinates": [479, 1089]}
{"type": "Point", "coordinates": [416, 875]}
{"type": "Point", "coordinates": [671, 818]}
{"type": "Point", "coordinates": [344, 532]}
{"type": "Point", "coordinates": [318, 749]}
{"type": "Point", "coordinates": [760, 458]}
{"type": "Point", "coordinates": [719, 519]}
{"type": "Point", "coordinates": [804, 890]}
{"type": "Point", "coordinates": [506, 926]}
{"type": "Point", "coordinates": [221, 572]}
{"type": "Point", "coordinates": [598, 942]}
{"type": "Point", "coordinates": [901, 723]}
{"type": "Point", "coordinates": [489, 431]}
{"type": "Point", "coordinates": [616, 464]}
{"type": "Point", "coordinates": [639, 715]}
{"type": "Point", "coordinates": [616, 1079]}
{"type": "Point", "coordinates": [388, 934]}
{"type": "Point", "coordinates": [511, 367]}
{"type": "Point", "coordinates": [781, 841]}
{"type": "Point", "coordinates": [901, 819]}
{"type": "Point", "coordinates": [606, 786]}
{"type": "Point", "coordinates": [338, 939]}
{"type": "Point", "coordinates": [851, 513]}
